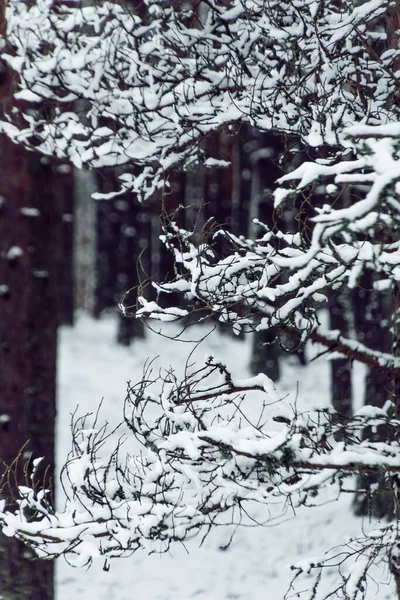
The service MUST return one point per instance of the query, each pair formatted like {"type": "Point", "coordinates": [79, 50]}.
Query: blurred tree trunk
{"type": "Point", "coordinates": [263, 153]}
{"type": "Point", "coordinates": [372, 319]}
{"type": "Point", "coordinates": [221, 192]}
{"type": "Point", "coordinates": [340, 317]}
{"type": "Point", "coordinates": [131, 238]}
{"type": "Point", "coordinates": [84, 259]}
{"type": "Point", "coordinates": [63, 189]}
{"type": "Point", "coordinates": [123, 231]}
{"type": "Point", "coordinates": [245, 181]}
{"type": "Point", "coordinates": [396, 345]}
{"type": "Point", "coordinates": [30, 226]}
{"type": "Point", "coordinates": [341, 311]}
{"type": "Point", "coordinates": [173, 207]}
{"type": "Point", "coordinates": [107, 240]}
{"type": "Point", "coordinates": [393, 38]}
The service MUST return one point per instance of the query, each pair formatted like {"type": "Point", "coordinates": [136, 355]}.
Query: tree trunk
{"type": "Point", "coordinates": [341, 317]}
{"type": "Point", "coordinates": [84, 240]}
{"type": "Point", "coordinates": [396, 345]}
{"type": "Point", "coordinates": [263, 153]}
{"type": "Point", "coordinates": [63, 189]}
{"type": "Point", "coordinates": [372, 311]}
{"type": "Point", "coordinates": [28, 340]}
{"type": "Point", "coordinates": [107, 240]}
{"type": "Point", "coordinates": [60, 191]}
{"type": "Point", "coordinates": [128, 252]}
{"type": "Point", "coordinates": [341, 386]}
{"type": "Point", "coordinates": [265, 354]}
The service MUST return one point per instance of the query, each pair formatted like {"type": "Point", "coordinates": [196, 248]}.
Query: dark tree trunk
{"type": "Point", "coordinates": [107, 240]}
{"type": "Point", "coordinates": [396, 345]}
{"type": "Point", "coordinates": [372, 317]}
{"type": "Point", "coordinates": [265, 354]}
{"type": "Point", "coordinates": [128, 255]}
{"type": "Point", "coordinates": [29, 228]}
{"type": "Point", "coordinates": [219, 195]}
{"type": "Point", "coordinates": [63, 189]}
{"type": "Point", "coordinates": [341, 386]}
{"type": "Point", "coordinates": [392, 30]}
{"type": "Point", "coordinates": [222, 193]}
{"type": "Point", "coordinates": [247, 146]}
{"type": "Point", "coordinates": [263, 151]}
{"type": "Point", "coordinates": [123, 254]}
{"type": "Point", "coordinates": [173, 207]}
{"type": "Point", "coordinates": [341, 317]}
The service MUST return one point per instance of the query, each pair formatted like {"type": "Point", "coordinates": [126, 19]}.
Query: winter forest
{"type": "Point", "coordinates": [215, 186]}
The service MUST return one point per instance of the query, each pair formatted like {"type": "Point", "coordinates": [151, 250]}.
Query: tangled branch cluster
{"type": "Point", "coordinates": [151, 88]}
{"type": "Point", "coordinates": [205, 447]}
{"type": "Point", "coordinates": [281, 279]}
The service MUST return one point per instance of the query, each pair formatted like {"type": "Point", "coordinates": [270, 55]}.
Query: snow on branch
{"type": "Point", "coordinates": [150, 88]}
{"type": "Point", "coordinates": [281, 279]}
{"type": "Point", "coordinates": [193, 451]}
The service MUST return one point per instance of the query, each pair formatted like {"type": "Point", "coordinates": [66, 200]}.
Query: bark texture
{"type": "Point", "coordinates": [29, 309]}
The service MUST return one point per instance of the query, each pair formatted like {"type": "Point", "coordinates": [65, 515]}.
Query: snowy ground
{"type": "Point", "coordinates": [257, 564]}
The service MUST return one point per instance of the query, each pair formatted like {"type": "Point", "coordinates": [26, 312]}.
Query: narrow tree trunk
{"type": "Point", "coordinates": [341, 317]}
{"type": "Point", "coordinates": [265, 354]}
{"type": "Point", "coordinates": [84, 240]}
{"type": "Point", "coordinates": [341, 386]}
{"type": "Point", "coordinates": [264, 172]}
{"type": "Point", "coordinates": [63, 188]}
{"type": "Point", "coordinates": [396, 344]}
{"type": "Point", "coordinates": [393, 37]}
{"type": "Point", "coordinates": [372, 317]}
{"type": "Point", "coordinates": [173, 206]}
{"type": "Point", "coordinates": [247, 145]}
{"type": "Point", "coordinates": [107, 240]}
{"type": "Point", "coordinates": [395, 570]}
{"type": "Point", "coordinates": [213, 200]}
{"type": "Point", "coordinates": [128, 252]}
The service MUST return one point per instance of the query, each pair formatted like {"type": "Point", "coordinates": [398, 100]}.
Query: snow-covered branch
{"type": "Point", "coordinates": [152, 88]}
{"type": "Point", "coordinates": [280, 279]}
{"type": "Point", "coordinates": [193, 451]}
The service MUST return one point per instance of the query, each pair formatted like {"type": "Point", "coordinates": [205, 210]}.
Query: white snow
{"type": "Point", "coordinates": [256, 565]}
{"type": "Point", "coordinates": [14, 252]}
{"type": "Point", "coordinates": [29, 211]}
